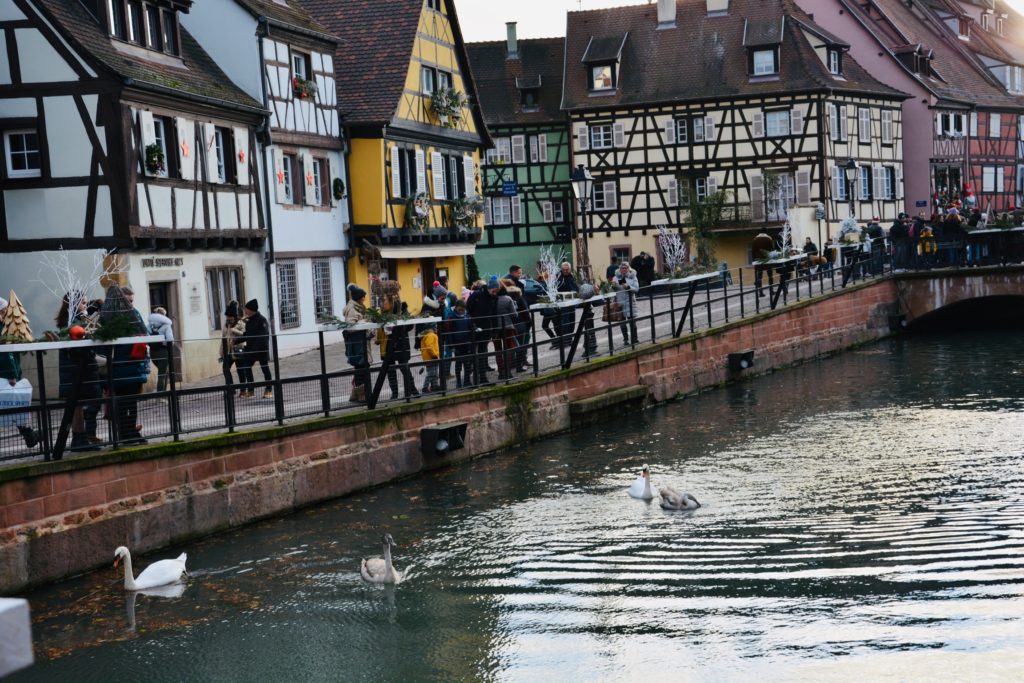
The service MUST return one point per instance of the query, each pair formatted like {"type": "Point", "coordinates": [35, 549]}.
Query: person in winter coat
{"type": "Point", "coordinates": [128, 365]}
{"type": "Point", "coordinates": [481, 309]}
{"type": "Point", "coordinates": [643, 268]}
{"type": "Point", "coordinates": [10, 370]}
{"type": "Point", "coordinates": [522, 323]}
{"type": "Point", "coordinates": [457, 338]}
{"type": "Point", "coordinates": [161, 326]}
{"type": "Point", "coordinates": [78, 368]}
{"type": "Point", "coordinates": [898, 237]}
{"type": "Point", "coordinates": [230, 342]}
{"type": "Point", "coordinates": [394, 341]}
{"type": "Point", "coordinates": [504, 332]}
{"type": "Point", "coordinates": [430, 351]}
{"type": "Point", "coordinates": [565, 318]}
{"type": "Point", "coordinates": [760, 249]}
{"type": "Point", "coordinates": [626, 285]}
{"type": "Point", "coordinates": [357, 343]}
{"type": "Point", "coordinates": [587, 291]}
{"type": "Point", "coordinates": [257, 349]}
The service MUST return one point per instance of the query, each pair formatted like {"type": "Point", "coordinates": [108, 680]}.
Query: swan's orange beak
{"type": "Point", "coordinates": [117, 561]}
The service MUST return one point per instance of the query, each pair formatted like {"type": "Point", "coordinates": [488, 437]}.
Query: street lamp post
{"type": "Point", "coordinates": [582, 185]}
{"type": "Point", "coordinates": [851, 169]}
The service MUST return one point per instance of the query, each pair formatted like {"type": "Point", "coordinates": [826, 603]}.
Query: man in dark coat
{"type": "Point", "coordinates": [565, 318]}
{"type": "Point", "coordinates": [898, 236]}
{"type": "Point", "coordinates": [760, 249]}
{"type": "Point", "coordinates": [481, 310]}
{"type": "Point", "coordinates": [643, 264]}
{"type": "Point", "coordinates": [257, 349]}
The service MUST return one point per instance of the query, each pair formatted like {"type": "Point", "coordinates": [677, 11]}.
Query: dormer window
{"type": "Point", "coordinates": [764, 62]}
{"type": "Point", "coordinates": [300, 65]}
{"type": "Point", "coordinates": [985, 21]}
{"type": "Point", "coordinates": [963, 28]}
{"type": "Point", "coordinates": [999, 25]}
{"type": "Point", "coordinates": [529, 91]}
{"type": "Point", "coordinates": [150, 25]}
{"type": "Point", "coordinates": [602, 77]}
{"type": "Point", "coordinates": [835, 62]}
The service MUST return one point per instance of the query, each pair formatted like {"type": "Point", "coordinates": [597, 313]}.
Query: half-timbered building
{"type": "Point", "coordinates": [672, 103]}
{"type": "Point", "coordinates": [528, 199]}
{"type": "Point", "coordinates": [280, 56]}
{"type": "Point", "coordinates": [408, 106]}
{"type": "Point", "coordinates": [119, 132]}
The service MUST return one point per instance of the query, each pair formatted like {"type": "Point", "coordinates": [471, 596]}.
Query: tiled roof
{"type": "Point", "coordinates": [703, 57]}
{"type": "Point", "coordinates": [287, 13]}
{"type": "Point", "coordinates": [959, 80]}
{"type": "Point", "coordinates": [764, 32]}
{"type": "Point", "coordinates": [539, 59]}
{"type": "Point", "coordinates": [198, 76]}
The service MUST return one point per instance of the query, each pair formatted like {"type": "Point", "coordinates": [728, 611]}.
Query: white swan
{"type": "Point", "coordinates": [642, 488]}
{"type": "Point", "coordinates": [160, 573]}
{"type": "Point", "coordinates": [380, 570]}
{"type": "Point", "coordinates": [673, 500]}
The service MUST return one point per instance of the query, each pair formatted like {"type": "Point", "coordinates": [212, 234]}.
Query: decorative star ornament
{"type": "Point", "coordinates": [280, 176]}
{"type": "Point", "coordinates": [184, 148]}
{"type": "Point", "coordinates": [241, 156]}
{"type": "Point", "coordinates": [309, 180]}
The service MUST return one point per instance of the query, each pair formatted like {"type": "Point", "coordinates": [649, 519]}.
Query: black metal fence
{"type": "Point", "coordinates": [320, 382]}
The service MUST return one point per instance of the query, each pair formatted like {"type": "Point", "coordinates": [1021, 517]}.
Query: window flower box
{"type": "Point", "coordinates": [417, 211]}
{"type": "Point", "coordinates": [447, 104]}
{"type": "Point", "coordinates": [466, 211]}
{"type": "Point", "coordinates": [303, 89]}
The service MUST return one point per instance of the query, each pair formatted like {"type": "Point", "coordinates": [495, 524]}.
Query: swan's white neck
{"type": "Point", "coordinates": [389, 569]}
{"type": "Point", "coordinates": [647, 485]}
{"type": "Point", "coordinates": [129, 575]}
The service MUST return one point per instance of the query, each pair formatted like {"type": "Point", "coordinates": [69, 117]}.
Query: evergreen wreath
{"type": "Point", "coordinates": [155, 160]}
{"type": "Point", "coordinates": [417, 211]}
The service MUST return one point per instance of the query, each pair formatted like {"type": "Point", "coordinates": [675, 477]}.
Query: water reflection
{"type": "Point", "coordinates": [174, 590]}
{"type": "Point", "coordinates": [863, 517]}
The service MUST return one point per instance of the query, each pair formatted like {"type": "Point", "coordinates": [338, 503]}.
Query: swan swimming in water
{"type": "Point", "coordinates": [380, 570]}
{"type": "Point", "coordinates": [673, 500]}
{"type": "Point", "coordinates": [642, 488]}
{"type": "Point", "coordinates": [160, 573]}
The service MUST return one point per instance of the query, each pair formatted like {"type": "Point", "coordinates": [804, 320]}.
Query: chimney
{"type": "Point", "coordinates": [666, 14]}
{"type": "Point", "coordinates": [512, 44]}
{"type": "Point", "coordinates": [718, 8]}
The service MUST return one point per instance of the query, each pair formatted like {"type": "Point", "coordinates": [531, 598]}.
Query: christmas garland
{"type": "Point", "coordinates": [417, 211]}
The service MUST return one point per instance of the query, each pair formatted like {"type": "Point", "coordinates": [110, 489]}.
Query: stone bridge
{"type": "Point", "coordinates": [923, 293]}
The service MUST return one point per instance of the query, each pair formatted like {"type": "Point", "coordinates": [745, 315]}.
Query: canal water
{"type": "Point", "coordinates": [862, 519]}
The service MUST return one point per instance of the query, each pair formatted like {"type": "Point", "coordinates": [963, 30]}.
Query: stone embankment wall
{"type": "Point", "coordinates": [62, 518]}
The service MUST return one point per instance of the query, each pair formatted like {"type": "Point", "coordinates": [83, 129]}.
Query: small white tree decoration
{"type": "Point", "coordinates": [64, 279]}
{"type": "Point", "coordinates": [549, 263]}
{"type": "Point", "coordinates": [847, 227]}
{"type": "Point", "coordinates": [787, 234]}
{"type": "Point", "coordinates": [674, 249]}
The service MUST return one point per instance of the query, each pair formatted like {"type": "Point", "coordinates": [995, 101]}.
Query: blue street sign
{"type": "Point", "coordinates": [510, 188]}
{"type": "Point", "coordinates": [921, 203]}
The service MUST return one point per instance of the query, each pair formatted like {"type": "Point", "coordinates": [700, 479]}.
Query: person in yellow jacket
{"type": "Point", "coordinates": [430, 350]}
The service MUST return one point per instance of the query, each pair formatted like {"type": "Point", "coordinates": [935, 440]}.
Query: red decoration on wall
{"type": "Point", "coordinates": [309, 180]}
{"type": "Point", "coordinates": [184, 149]}
{"type": "Point", "coordinates": [241, 156]}
{"type": "Point", "coordinates": [280, 176]}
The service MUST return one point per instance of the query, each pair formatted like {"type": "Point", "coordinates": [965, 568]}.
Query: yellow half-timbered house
{"type": "Point", "coordinates": [408, 107]}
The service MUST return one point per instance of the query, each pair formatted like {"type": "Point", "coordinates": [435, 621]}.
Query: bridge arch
{"type": "Point", "coordinates": [921, 294]}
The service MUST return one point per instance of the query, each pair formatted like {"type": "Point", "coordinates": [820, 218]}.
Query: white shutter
{"type": "Point", "coordinates": [147, 128]}
{"type": "Point", "coordinates": [898, 182]}
{"type": "Point", "coordinates": [518, 149]}
{"type": "Point", "coordinates": [487, 211]}
{"type": "Point", "coordinates": [210, 142]}
{"type": "Point", "coordinates": [421, 171]}
{"type": "Point", "coordinates": [973, 130]}
{"type": "Point", "coordinates": [758, 124]}
{"type": "Point", "coordinates": [712, 185]}
{"type": "Point", "coordinates": [332, 165]}
{"type": "Point", "coordinates": [670, 131]}
{"type": "Point", "coordinates": [396, 173]}
{"type": "Point", "coordinates": [469, 175]}
{"type": "Point", "coordinates": [887, 126]}
{"type": "Point", "coordinates": [542, 147]}
{"type": "Point", "coordinates": [837, 183]}
{"type": "Point", "coordinates": [803, 187]}
{"type": "Point", "coordinates": [619, 133]}
{"type": "Point", "coordinates": [833, 121]}
{"type": "Point", "coordinates": [549, 212]}
{"type": "Point", "coordinates": [709, 129]}
{"type": "Point", "coordinates": [280, 188]}
{"type": "Point", "coordinates": [187, 152]}
{"type": "Point", "coordinates": [517, 210]}
{"type": "Point", "coordinates": [611, 199]}
{"type": "Point", "coordinates": [534, 151]}
{"type": "Point", "coordinates": [796, 120]}
{"type": "Point", "coordinates": [308, 191]}
{"type": "Point", "coordinates": [863, 124]}
{"type": "Point", "coordinates": [756, 197]}
{"type": "Point", "coordinates": [842, 123]}
{"type": "Point", "coordinates": [437, 171]}
{"type": "Point", "coordinates": [877, 182]}
{"type": "Point", "coordinates": [582, 137]}
{"type": "Point", "coordinates": [1000, 179]}
{"type": "Point", "coordinates": [241, 154]}
{"type": "Point", "coordinates": [673, 192]}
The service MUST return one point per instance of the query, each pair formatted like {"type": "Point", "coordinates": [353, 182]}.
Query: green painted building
{"type": "Point", "coordinates": [528, 200]}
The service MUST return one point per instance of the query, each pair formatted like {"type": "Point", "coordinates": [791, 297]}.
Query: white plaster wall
{"type": "Point", "coordinates": [161, 205]}
{"type": "Point", "coordinates": [67, 140]}
{"type": "Point", "coordinates": [35, 213]}
{"type": "Point", "coordinates": [39, 62]}
{"type": "Point", "coordinates": [308, 228]}
{"type": "Point", "coordinates": [5, 67]}
{"type": "Point", "coordinates": [228, 33]}
{"type": "Point", "coordinates": [24, 273]}
{"type": "Point", "coordinates": [19, 106]}
{"type": "Point", "coordinates": [305, 337]}
{"type": "Point", "coordinates": [10, 12]}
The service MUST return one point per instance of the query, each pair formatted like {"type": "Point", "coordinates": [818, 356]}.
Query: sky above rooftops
{"type": "Point", "coordinates": [482, 20]}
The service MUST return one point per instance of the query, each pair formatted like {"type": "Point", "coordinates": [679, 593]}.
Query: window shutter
{"type": "Point", "coordinates": [843, 123]}
{"type": "Point", "coordinates": [803, 187]}
{"type": "Point", "coordinates": [487, 211]}
{"type": "Point", "coordinates": [974, 122]}
{"type": "Point", "coordinates": [582, 137]}
{"type": "Point", "coordinates": [887, 126]}
{"type": "Point", "coordinates": [308, 191]}
{"type": "Point", "coordinates": [673, 192]}
{"type": "Point", "coordinates": [670, 131]}
{"type": "Point", "coordinates": [549, 212]}
{"type": "Point", "coordinates": [396, 173]}
{"type": "Point", "coordinates": [619, 133]}
{"type": "Point", "coordinates": [242, 154]}
{"type": "Point", "coordinates": [542, 147]}
{"type": "Point", "coordinates": [147, 128]}
{"type": "Point", "coordinates": [863, 124]}
{"type": "Point", "coordinates": [756, 197]}
{"type": "Point", "coordinates": [709, 129]}
{"type": "Point", "coordinates": [210, 143]}
{"type": "Point", "coordinates": [610, 197]}
{"type": "Point", "coordinates": [796, 121]}
{"type": "Point", "coordinates": [833, 121]}
{"type": "Point", "coordinates": [712, 185]}
{"type": "Point", "coordinates": [518, 149]}
{"type": "Point", "coordinates": [1000, 179]}
{"type": "Point", "coordinates": [837, 183]}
{"type": "Point", "coordinates": [421, 171]}
{"type": "Point", "coordinates": [332, 165]}
{"type": "Point", "coordinates": [280, 187]}
{"type": "Point", "coordinates": [437, 171]}
{"type": "Point", "coordinates": [878, 182]}
{"type": "Point", "coordinates": [758, 124]}
{"type": "Point", "coordinates": [534, 149]}
{"type": "Point", "coordinates": [469, 175]}
{"type": "Point", "coordinates": [898, 182]}
{"type": "Point", "coordinates": [187, 152]}
{"type": "Point", "coordinates": [517, 210]}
